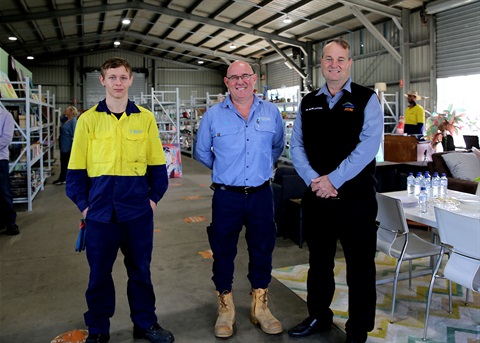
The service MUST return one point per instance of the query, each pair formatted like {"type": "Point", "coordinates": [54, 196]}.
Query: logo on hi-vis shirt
{"type": "Point", "coordinates": [348, 107]}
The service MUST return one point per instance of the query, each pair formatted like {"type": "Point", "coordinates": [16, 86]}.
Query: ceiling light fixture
{"type": "Point", "coordinates": [116, 43]}
{"type": "Point", "coordinates": [126, 21]}
{"type": "Point", "coordinates": [287, 20]}
{"type": "Point", "coordinates": [233, 46]}
{"type": "Point", "coordinates": [200, 62]}
{"type": "Point", "coordinates": [12, 38]}
{"type": "Point", "coordinates": [30, 57]}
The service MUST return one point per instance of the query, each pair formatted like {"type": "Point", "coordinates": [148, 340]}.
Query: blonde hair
{"type": "Point", "coordinates": [73, 109]}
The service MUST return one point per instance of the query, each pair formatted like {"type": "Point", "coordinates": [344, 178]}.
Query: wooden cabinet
{"type": "Point", "coordinates": [399, 148]}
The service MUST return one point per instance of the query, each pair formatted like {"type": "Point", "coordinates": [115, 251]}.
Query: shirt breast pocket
{"type": "Point", "coordinates": [265, 132]}
{"type": "Point", "coordinates": [227, 138]}
{"type": "Point", "coordinates": [136, 148]}
{"type": "Point", "coordinates": [103, 148]}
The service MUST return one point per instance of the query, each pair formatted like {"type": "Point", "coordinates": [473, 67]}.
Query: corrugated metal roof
{"type": "Point", "coordinates": [184, 31]}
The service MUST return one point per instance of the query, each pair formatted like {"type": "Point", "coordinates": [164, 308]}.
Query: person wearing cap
{"type": "Point", "coordinates": [414, 115]}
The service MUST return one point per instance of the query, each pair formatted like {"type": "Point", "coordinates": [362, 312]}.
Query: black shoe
{"type": "Point", "coordinates": [154, 334]}
{"type": "Point", "coordinates": [308, 327]}
{"type": "Point", "coordinates": [98, 338]}
{"type": "Point", "coordinates": [59, 182]}
{"type": "Point", "coordinates": [12, 230]}
{"type": "Point", "coordinates": [356, 338]}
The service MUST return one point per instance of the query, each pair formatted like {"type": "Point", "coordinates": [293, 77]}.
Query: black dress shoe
{"type": "Point", "coordinates": [12, 230]}
{"type": "Point", "coordinates": [98, 338]}
{"type": "Point", "coordinates": [356, 338]}
{"type": "Point", "coordinates": [308, 327]}
{"type": "Point", "coordinates": [154, 334]}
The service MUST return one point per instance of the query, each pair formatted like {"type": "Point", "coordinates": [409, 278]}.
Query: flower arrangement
{"type": "Point", "coordinates": [441, 124]}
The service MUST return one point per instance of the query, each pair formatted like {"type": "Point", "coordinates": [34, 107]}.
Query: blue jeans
{"type": "Point", "coordinates": [230, 212]}
{"type": "Point", "coordinates": [103, 240]}
{"type": "Point", "coordinates": [8, 215]}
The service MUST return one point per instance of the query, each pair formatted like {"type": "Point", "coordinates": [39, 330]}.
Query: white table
{"type": "Point", "coordinates": [469, 206]}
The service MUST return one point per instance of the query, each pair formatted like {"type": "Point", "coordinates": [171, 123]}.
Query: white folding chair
{"type": "Point", "coordinates": [460, 236]}
{"type": "Point", "coordinates": [395, 240]}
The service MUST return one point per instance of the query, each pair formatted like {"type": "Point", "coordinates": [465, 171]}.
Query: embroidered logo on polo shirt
{"type": "Point", "coordinates": [314, 109]}
{"type": "Point", "coordinates": [136, 132]}
{"type": "Point", "coordinates": [348, 107]}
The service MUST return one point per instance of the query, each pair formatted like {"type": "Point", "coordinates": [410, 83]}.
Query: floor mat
{"type": "Point", "coordinates": [460, 326]}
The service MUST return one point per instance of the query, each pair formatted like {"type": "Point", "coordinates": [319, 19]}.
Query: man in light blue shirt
{"type": "Point", "coordinates": [241, 139]}
{"type": "Point", "coordinates": [335, 139]}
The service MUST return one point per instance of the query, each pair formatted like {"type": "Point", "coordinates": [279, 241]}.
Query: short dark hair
{"type": "Point", "coordinates": [343, 43]}
{"type": "Point", "coordinates": [115, 62]}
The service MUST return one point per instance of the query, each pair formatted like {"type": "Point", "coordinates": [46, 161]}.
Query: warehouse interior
{"type": "Point", "coordinates": [51, 53]}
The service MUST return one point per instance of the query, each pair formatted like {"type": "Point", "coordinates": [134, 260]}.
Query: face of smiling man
{"type": "Point", "coordinates": [242, 83]}
{"type": "Point", "coordinates": [336, 64]}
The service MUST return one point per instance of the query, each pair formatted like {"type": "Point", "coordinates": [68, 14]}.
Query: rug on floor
{"type": "Point", "coordinates": [461, 326]}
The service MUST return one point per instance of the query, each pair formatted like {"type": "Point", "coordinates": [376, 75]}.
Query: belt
{"type": "Point", "coordinates": [240, 189]}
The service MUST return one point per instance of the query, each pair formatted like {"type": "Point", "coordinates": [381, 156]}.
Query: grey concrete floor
{"type": "Point", "coordinates": [43, 279]}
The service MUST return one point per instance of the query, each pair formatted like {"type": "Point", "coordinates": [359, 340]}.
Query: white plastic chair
{"type": "Point", "coordinates": [395, 240]}
{"type": "Point", "coordinates": [460, 236]}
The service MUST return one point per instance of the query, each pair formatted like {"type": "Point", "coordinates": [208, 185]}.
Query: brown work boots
{"type": "Point", "coordinates": [259, 314]}
{"type": "Point", "coordinates": [226, 315]}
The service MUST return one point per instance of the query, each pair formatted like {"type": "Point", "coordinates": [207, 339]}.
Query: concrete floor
{"type": "Point", "coordinates": [43, 279]}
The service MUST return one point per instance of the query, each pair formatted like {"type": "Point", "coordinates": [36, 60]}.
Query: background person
{"type": "Point", "coordinates": [240, 139]}
{"type": "Point", "coordinates": [8, 215]}
{"type": "Point", "coordinates": [116, 176]}
{"type": "Point", "coordinates": [340, 203]}
{"type": "Point", "coordinates": [414, 115]}
{"type": "Point", "coordinates": [67, 130]}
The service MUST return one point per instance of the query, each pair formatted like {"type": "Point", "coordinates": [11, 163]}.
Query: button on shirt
{"type": "Point", "coordinates": [240, 153]}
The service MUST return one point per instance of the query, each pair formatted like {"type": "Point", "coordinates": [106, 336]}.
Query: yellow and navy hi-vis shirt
{"type": "Point", "coordinates": [116, 165]}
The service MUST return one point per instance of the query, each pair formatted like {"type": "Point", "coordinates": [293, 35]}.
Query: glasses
{"type": "Point", "coordinates": [238, 77]}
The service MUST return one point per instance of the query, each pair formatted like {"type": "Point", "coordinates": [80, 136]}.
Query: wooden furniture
{"type": "Point", "coordinates": [400, 148]}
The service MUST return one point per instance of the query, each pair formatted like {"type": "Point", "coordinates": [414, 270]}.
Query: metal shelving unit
{"type": "Point", "coordinates": [33, 141]}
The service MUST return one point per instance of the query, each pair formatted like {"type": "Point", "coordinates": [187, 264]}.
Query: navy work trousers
{"type": "Point", "coordinates": [230, 212]}
{"type": "Point", "coordinates": [103, 240]}
{"type": "Point", "coordinates": [352, 222]}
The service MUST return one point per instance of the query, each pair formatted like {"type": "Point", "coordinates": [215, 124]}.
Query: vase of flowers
{"type": "Point", "coordinates": [442, 125]}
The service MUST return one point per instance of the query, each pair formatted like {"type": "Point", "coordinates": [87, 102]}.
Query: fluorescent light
{"type": "Point", "coordinates": [233, 46]}
{"type": "Point", "coordinates": [200, 62]}
{"type": "Point", "coordinates": [30, 57]}
{"type": "Point", "coordinates": [126, 21]}
{"type": "Point", "coordinates": [12, 38]}
{"type": "Point", "coordinates": [287, 20]}
{"type": "Point", "coordinates": [116, 43]}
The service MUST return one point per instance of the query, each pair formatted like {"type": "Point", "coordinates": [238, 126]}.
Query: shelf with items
{"type": "Point", "coordinates": [34, 138]}
{"type": "Point", "coordinates": [165, 106]}
{"type": "Point", "coordinates": [213, 99]}
{"type": "Point", "coordinates": [288, 124]}
{"type": "Point", "coordinates": [191, 113]}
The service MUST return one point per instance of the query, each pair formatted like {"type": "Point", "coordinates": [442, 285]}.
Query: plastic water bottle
{"type": "Point", "coordinates": [418, 184]}
{"type": "Point", "coordinates": [435, 185]}
{"type": "Point", "coordinates": [443, 185]}
{"type": "Point", "coordinates": [427, 181]}
{"type": "Point", "coordinates": [422, 201]}
{"type": "Point", "coordinates": [410, 184]}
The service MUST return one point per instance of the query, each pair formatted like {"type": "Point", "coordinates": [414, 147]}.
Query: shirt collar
{"type": "Point", "coordinates": [131, 107]}
{"type": "Point", "coordinates": [347, 86]}
{"type": "Point", "coordinates": [228, 101]}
